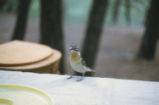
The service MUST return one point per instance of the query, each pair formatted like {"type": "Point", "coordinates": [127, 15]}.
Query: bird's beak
{"type": "Point", "coordinates": [70, 48]}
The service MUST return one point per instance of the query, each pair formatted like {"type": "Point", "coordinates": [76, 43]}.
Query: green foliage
{"type": "Point", "coordinates": [130, 11]}
{"type": "Point", "coordinates": [116, 10]}
{"type": "Point", "coordinates": [77, 11]}
{"type": "Point", "coordinates": [10, 6]}
{"type": "Point", "coordinates": [35, 8]}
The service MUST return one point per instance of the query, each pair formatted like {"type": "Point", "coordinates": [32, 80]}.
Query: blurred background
{"type": "Point", "coordinates": [117, 38]}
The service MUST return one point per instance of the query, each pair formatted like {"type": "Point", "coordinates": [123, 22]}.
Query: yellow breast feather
{"type": "Point", "coordinates": [74, 56]}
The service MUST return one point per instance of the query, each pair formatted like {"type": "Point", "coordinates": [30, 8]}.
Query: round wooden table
{"type": "Point", "coordinates": [29, 57]}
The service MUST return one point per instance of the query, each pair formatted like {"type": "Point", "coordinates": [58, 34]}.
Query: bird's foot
{"type": "Point", "coordinates": [80, 79]}
{"type": "Point", "coordinates": [70, 77]}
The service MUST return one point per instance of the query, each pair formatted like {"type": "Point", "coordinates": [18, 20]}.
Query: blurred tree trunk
{"type": "Point", "coordinates": [93, 32]}
{"type": "Point", "coordinates": [128, 11]}
{"type": "Point", "coordinates": [116, 10]}
{"type": "Point", "coordinates": [21, 22]}
{"type": "Point", "coordinates": [150, 37]}
{"type": "Point", "coordinates": [2, 3]}
{"type": "Point", "coordinates": [51, 26]}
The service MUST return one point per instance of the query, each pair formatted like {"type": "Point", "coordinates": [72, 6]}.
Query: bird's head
{"type": "Point", "coordinates": [74, 48]}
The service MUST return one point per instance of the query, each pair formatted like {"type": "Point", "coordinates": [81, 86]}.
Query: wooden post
{"type": "Point", "coordinates": [51, 26]}
{"type": "Point", "coordinates": [150, 37]}
{"type": "Point", "coordinates": [93, 33]}
{"type": "Point", "coordinates": [21, 22]}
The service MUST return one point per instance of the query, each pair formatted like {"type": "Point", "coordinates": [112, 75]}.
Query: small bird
{"type": "Point", "coordinates": [77, 63]}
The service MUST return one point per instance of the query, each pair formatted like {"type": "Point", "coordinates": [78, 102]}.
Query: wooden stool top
{"type": "Point", "coordinates": [44, 64]}
{"type": "Point", "coordinates": [20, 53]}
{"type": "Point", "coordinates": [27, 56]}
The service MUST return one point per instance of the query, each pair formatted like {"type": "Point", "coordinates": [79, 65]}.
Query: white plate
{"type": "Point", "coordinates": [22, 95]}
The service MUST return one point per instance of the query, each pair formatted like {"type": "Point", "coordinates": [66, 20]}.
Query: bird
{"type": "Point", "coordinates": [77, 63]}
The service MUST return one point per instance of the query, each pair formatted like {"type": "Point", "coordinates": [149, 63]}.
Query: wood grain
{"type": "Point", "coordinates": [48, 65]}
{"type": "Point", "coordinates": [20, 53]}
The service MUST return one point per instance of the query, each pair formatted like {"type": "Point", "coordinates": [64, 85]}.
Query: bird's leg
{"type": "Point", "coordinates": [81, 77]}
{"type": "Point", "coordinates": [70, 76]}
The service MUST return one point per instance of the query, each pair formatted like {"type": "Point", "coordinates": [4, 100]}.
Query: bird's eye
{"type": "Point", "coordinates": [76, 49]}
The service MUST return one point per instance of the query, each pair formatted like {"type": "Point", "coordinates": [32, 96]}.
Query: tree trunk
{"type": "Point", "coordinates": [21, 22]}
{"type": "Point", "coordinates": [2, 3]}
{"type": "Point", "coordinates": [51, 26]}
{"type": "Point", "coordinates": [128, 11]}
{"type": "Point", "coordinates": [93, 33]}
{"type": "Point", "coordinates": [149, 41]}
{"type": "Point", "coordinates": [116, 10]}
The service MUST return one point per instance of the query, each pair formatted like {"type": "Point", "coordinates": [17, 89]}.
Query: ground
{"type": "Point", "coordinates": [117, 52]}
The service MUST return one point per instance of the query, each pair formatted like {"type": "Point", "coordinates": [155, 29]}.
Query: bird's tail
{"type": "Point", "coordinates": [89, 69]}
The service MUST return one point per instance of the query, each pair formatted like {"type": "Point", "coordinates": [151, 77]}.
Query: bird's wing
{"type": "Point", "coordinates": [85, 67]}
{"type": "Point", "coordinates": [83, 62]}
{"type": "Point", "coordinates": [88, 69]}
